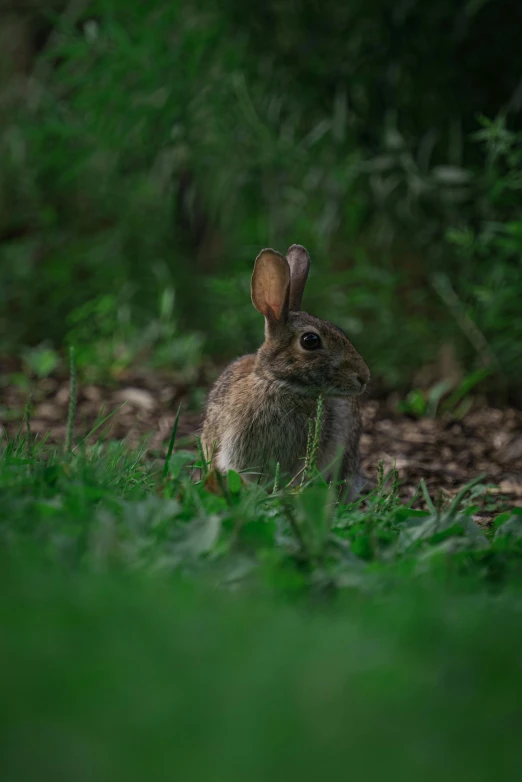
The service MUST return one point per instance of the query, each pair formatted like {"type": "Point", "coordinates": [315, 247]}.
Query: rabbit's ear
{"type": "Point", "coordinates": [271, 285]}
{"type": "Point", "coordinates": [299, 262]}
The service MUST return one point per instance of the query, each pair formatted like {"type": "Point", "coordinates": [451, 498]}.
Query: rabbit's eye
{"type": "Point", "coordinates": [310, 341]}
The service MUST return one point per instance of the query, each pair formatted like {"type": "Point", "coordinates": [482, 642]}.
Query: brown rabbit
{"type": "Point", "coordinates": [259, 408]}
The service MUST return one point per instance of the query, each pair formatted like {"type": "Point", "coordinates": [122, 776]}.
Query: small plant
{"type": "Point", "coordinates": [109, 339]}
{"type": "Point", "coordinates": [41, 361]}
{"type": "Point", "coordinates": [312, 445]}
{"type": "Point", "coordinates": [446, 396]}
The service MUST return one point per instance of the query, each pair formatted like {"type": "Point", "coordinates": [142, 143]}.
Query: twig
{"type": "Point", "coordinates": [72, 401]}
{"type": "Point", "coordinates": [450, 298]}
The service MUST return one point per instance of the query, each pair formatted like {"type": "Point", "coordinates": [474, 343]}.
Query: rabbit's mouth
{"type": "Point", "coordinates": [353, 387]}
{"type": "Point", "coordinates": [356, 388]}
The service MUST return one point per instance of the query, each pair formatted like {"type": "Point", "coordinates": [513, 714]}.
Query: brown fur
{"type": "Point", "coordinates": [258, 410]}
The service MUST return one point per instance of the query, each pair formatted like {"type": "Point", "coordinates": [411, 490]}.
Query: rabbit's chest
{"type": "Point", "coordinates": [260, 439]}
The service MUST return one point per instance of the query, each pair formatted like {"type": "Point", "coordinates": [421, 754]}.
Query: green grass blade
{"type": "Point", "coordinates": [100, 423]}
{"type": "Point", "coordinates": [427, 498]}
{"type": "Point", "coordinates": [171, 444]}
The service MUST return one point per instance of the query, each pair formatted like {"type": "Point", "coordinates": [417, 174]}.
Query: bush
{"type": "Point", "coordinates": [489, 243]}
{"type": "Point", "coordinates": [162, 145]}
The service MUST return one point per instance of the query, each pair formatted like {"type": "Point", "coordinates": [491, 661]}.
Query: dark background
{"type": "Point", "coordinates": [148, 151]}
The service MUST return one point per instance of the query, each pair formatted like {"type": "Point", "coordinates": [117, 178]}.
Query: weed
{"type": "Point", "coordinates": [445, 396]}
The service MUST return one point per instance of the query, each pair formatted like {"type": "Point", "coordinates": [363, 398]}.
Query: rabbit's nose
{"type": "Point", "coordinates": [363, 378]}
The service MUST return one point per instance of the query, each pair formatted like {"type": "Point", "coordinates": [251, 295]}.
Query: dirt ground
{"type": "Point", "coordinates": [446, 452]}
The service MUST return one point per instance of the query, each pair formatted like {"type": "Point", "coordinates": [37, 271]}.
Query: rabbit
{"type": "Point", "coordinates": [258, 410]}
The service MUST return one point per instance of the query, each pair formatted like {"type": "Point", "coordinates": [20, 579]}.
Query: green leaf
{"type": "Point", "coordinates": [259, 534]}
{"type": "Point", "coordinates": [403, 514]}
{"type": "Point", "coordinates": [415, 403]}
{"type": "Point", "coordinates": [234, 482]}
{"type": "Point", "coordinates": [418, 530]}
{"type": "Point", "coordinates": [178, 461]}
{"type": "Point", "coordinates": [512, 528]}
{"type": "Point", "coordinates": [435, 394]}
{"type": "Point", "coordinates": [42, 360]}
{"type": "Point", "coordinates": [202, 536]}
{"type": "Point", "coordinates": [315, 505]}
{"type": "Point", "coordinates": [469, 382]}
{"type": "Point", "coordinates": [502, 518]}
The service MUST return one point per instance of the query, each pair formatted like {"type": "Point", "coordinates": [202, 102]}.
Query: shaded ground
{"type": "Point", "coordinates": [447, 453]}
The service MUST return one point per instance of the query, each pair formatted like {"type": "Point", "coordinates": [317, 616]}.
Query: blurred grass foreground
{"type": "Point", "coordinates": [149, 150]}
{"type": "Point", "coordinates": [128, 679]}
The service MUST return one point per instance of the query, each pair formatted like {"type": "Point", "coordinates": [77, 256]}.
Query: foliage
{"type": "Point", "coordinates": [122, 677]}
{"type": "Point", "coordinates": [155, 617]}
{"type": "Point", "coordinates": [161, 145]}
{"type": "Point", "coordinates": [102, 506]}
{"type": "Point", "coordinates": [490, 246]}
{"type": "Point", "coordinates": [446, 396]}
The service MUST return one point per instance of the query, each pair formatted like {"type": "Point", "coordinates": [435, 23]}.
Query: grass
{"type": "Point", "coordinates": [109, 678]}
{"type": "Point", "coordinates": [105, 506]}
{"type": "Point", "coordinates": [152, 626]}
